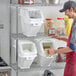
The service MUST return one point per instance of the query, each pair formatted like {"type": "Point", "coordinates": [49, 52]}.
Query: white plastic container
{"type": "Point", "coordinates": [43, 58]}
{"type": "Point", "coordinates": [26, 53]}
{"type": "Point", "coordinates": [25, 62]}
{"type": "Point", "coordinates": [31, 20]}
{"type": "Point", "coordinates": [60, 44]}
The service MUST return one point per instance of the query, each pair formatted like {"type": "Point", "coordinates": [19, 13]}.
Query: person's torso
{"type": "Point", "coordinates": [71, 57]}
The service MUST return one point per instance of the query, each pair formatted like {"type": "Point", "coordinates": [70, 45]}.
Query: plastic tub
{"type": "Point", "coordinates": [43, 59]}
{"type": "Point", "coordinates": [26, 53]}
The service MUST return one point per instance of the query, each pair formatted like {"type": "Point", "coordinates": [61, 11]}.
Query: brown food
{"type": "Point", "coordinates": [46, 47]}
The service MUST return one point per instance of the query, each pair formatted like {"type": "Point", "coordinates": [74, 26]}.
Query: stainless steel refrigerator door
{"type": "Point", "coordinates": [5, 29]}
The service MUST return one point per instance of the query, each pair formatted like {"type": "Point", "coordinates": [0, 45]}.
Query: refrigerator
{"type": "Point", "coordinates": [5, 30]}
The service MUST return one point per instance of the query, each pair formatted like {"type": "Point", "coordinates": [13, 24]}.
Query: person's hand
{"type": "Point", "coordinates": [51, 51]}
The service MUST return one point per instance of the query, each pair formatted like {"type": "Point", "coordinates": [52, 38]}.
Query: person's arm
{"type": "Point", "coordinates": [62, 50]}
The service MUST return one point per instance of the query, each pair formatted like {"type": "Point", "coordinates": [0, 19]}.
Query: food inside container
{"type": "Point", "coordinates": [49, 27]}
{"type": "Point", "coordinates": [26, 2]}
{"type": "Point", "coordinates": [27, 48]}
{"type": "Point", "coordinates": [60, 31]}
{"type": "Point", "coordinates": [47, 46]}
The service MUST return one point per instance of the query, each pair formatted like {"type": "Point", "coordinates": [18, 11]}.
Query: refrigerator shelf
{"type": "Point", "coordinates": [36, 4]}
{"type": "Point", "coordinates": [35, 66]}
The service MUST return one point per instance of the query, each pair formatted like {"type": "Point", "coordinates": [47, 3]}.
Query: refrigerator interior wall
{"type": "Point", "coordinates": [4, 29]}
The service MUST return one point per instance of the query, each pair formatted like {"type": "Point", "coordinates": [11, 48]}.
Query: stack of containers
{"type": "Point", "coordinates": [30, 20]}
{"type": "Point", "coordinates": [26, 53]}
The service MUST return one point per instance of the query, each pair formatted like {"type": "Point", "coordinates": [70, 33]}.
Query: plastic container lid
{"type": "Point", "coordinates": [60, 18]}
{"type": "Point", "coordinates": [49, 19]}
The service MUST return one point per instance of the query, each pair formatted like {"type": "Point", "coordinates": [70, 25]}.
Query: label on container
{"type": "Point", "coordinates": [51, 31]}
